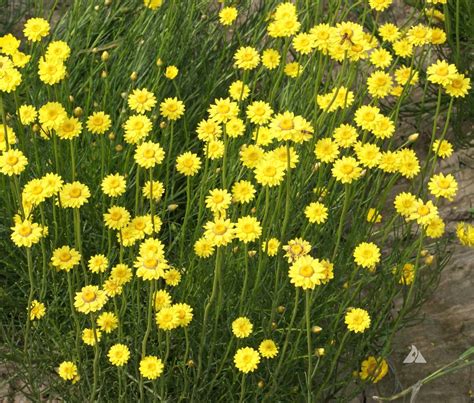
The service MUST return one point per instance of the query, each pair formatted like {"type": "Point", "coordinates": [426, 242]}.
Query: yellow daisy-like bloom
{"type": "Point", "coordinates": [465, 234]}
{"type": "Point", "coordinates": [403, 48]}
{"type": "Point", "coordinates": [367, 255]}
{"type": "Point", "coordinates": [167, 318]}
{"type": "Point", "coordinates": [242, 327]}
{"type": "Point", "coordinates": [326, 150]}
{"type": "Point", "coordinates": [141, 100]}
{"type": "Point", "coordinates": [11, 79]}
{"type": "Point", "coordinates": [153, 4]}
{"type": "Point", "coordinates": [98, 123]}
{"type": "Point", "coordinates": [51, 71]}
{"type": "Point", "coordinates": [345, 136]}
{"type": "Point", "coordinates": [58, 50]}
{"type": "Point", "coordinates": [423, 212]}
{"type": "Point", "coordinates": [113, 185]}
{"type": "Point", "coordinates": [389, 32]}
{"type": "Point", "coordinates": [269, 172]}
{"type": "Point", "coordinates": [262, 136]}
{"type": "Point", "coordinates": [7, 135]}
{"type": "Point", "coordinates": [162, 299]}
{"type": "Point", "coordinates": [204, 248]}
{"type": "Point", "coordinates": [407, 274]}
{"type": "Point", "coordinates": [441, 72]}
{"type": "Point", "coordinates": [373, 216]}
{"type": "Point", "coordinates": [228, 15]}
{"type": "Point", "coordinates": [368, 154]}
{"type": "Point", "coordinates": [459, 86]}
{"type": "Point", "coordinates": [65, 258]}
{"type": "Point", "coordinates": [271, 58]}
{"type": "Point", "coordinates": [238, 90]}
{"type": "Point", "coordinates": [116, 217]}
{"type": "Point", "coordinates": [74, 195]}
{"type": "Point", "coordinates": [27, 114]}
{"type": "Point", "coordinates": [89, 338]}
{"type": "Point", "coordinates": [405, 75]}
{"type": "Point", "coordinates": [346, 170]}
{"type": "Point", "coordinates": [251, 155]}
{"type": "Point", "coordinates": [304, 43]}
{"type": "Point", "coordinates": [383, 127]}
{"type": "Point", "coordinates": [307, 272]}
{"type": "Point", "coordinates": [69, 128]}
{"type": "Point", "coordinates": [151, 367]}
{"type": "Point", "coordinates": [379, 84]}
{"type": "Point", "coordinates": [296, 248]}
{"type": "Point", "coordinates": [316, 213]}
{"type": "Point", "coordinates": [379, 5]}
{"type": "Point", "coordinates": [223, 109]}
{"type": "Point", "coordinates": [172, 277]}
{"type": "Point", "coordinates": [357, 320]}
{"type": "Point", "coordinates": [442, 148]}
{"type": "Point", "coordinates": [435, 227]}
{"type": "Point", "coordinates": [268, 349]}
{"type": "Point", "coordinates": [67, 370]}
{"type": "Point", "coordinates": [248, 229]}
{"type": "Point", "coordinates": [373, 369]}
{"type": "Point", "coordinates": [243, 192]}
{"type": "Point", "coordinates": [208, 130]}
{"type": "Point", "coordinates": [25, 233]}
{"type": "Point", "coordinates": [98, 263]}
{"type": "Point", "coordinates": [112, 287]}
{"type": "Point", "coordinates": [380, 58]}
{"type": "Point", "coordinates": [37, 310]}
{"type": "Point", "coordinates": [218, 200]}
{"type": "Point", "coordinates": [137, 127]}
{"type": "Point", "coordinates": [293, 69]}
{"type": "Point", "coordinates": [35, 29]}
{"type": "Point", "coordinates": [149, 154]}
{"type": "Point", "coordinates": [188, 163]}
{"type": "Point", "coordinates": [405, 204]}
{"type": "Point", "coordinates": [53, 183]}
{"type": "Point", "coordinates": [20, 59]}
{"type": "Point", "coordinates": [12, 162]}
{"type": "Point", "coordinates": [419, 35]}
{"type": "Point", "coordinates": [89, 299]}
{"type": "Point", "coordinates": [220, 231]}
{"type": "Point", "coordinates": [172, 108]}
{"type": "Point", "coordinates": [235, 127]}
{"type": "Point", "coordinates": [107, 322]}
{"type": "Point", "coordinates": [150, 266]}
{"type": "Point", "coordinates": [119, 354]}
{"type": "Point", "coordinates": [246, 58]}
{"type": "Point", "coordinates": [259, 112]}
{"type": "Point", "coordinates": [443, 186]}
{"type": "Point", "coordinates": [246, 359]}
{"type": "Point", "coordinates": [366, 116]}
{"type": "Point", "coordinates": [121, 273]}
{"type": "Point", "coordinates": [155, 189]}
{"type": "Point", "coordinates": [408, 164]}
{"type": "Point", "coordinates": [171, 72]}
{"type": "Point", "coordinates": [51, 115]}
{"type": "Point", "coordinates": [271, 246]}
{"type": "Point", "coordinates": [184, 313]}
{"type": "Point", "coordinates": [152, 246]}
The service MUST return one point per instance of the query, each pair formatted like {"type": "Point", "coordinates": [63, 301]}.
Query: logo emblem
{"type": "Point", "coordinates": [414, 356]}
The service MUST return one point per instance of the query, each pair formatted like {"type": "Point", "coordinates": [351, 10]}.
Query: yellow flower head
{"type": "Point", "coordinates": [357, 320]}
{"type": "Point", "coordinates": [246, 359]}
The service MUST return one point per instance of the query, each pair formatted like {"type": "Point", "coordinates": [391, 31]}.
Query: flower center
{"type": "Point", "coordinates": [150, 263]}
{"type": "Point", "coordinates": [149, 153]}
{"type": "Point", "coordinates": [25, 230]}
{"type": "Point", "coordinates": [65, 256]}
{"type": "Point", "coordinates": [11, 160]}
{"type": "Point", "coordinates": [270, 171]}
{"type": "Point", "coordinates": [286, 124]}
{"type": "Point", "coordinates": [220, 229]}
{"type": "Point", "coordinates": [75, 192]}
{"type": "Point", "coordinates": [88, 296]}
{"type": "Point", "coordinates": [307, 271]}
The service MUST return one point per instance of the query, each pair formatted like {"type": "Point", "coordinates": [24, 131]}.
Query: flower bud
{"type": "Point", "coordinates": [71, 98]}
{"type": "Point", "coordinates": [413, 137]}
{"type": "Point", "coordinates": [159, 62]}
{"type": "Point", "coordinates": [281, 309]}
{"type": "Point", "coordinates": [36, 128]}
{"type": "Point", "coordinates": [252, 253]}
{"type": "Point", "coordinates": [118, 147]}
{"type": "Point", "coordinates": [134, 76]}
{"type": "Point", "coordinates": [261, 384]}
{"type": "Point", "coordinates": [316, 329]}
{"type": "Point", "coordinates": [319, 352]}
{"type": "Point", "coordinates": [78, 112]}
{"type": "Point", "coordinates": [103, 74]}
{"type": "Point", "coordinates": [111, 136]}
{"type": "Point", "coordinates": [190, 363]}
{"type": "Point", "coordinates": [104, 56]}
{"type": "Point", "coordinates": [163, 125]}
{"type": "Point", "coordinates": [172, 207]}
{"type": "Point", "coordinates": [429, 260]}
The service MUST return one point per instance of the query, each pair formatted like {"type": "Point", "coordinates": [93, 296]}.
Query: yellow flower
{"type": "Point", "coordinates": [405, 204]}
{"type": "Point", "coordinates": [137, 127]}
{"type": "Point", "coordinates": [269, 172]}
{"type": "Point", "coordinates": [116, 217]}
{"type": "Point", "coordinates": [435, 227]}
{"type": "Point", "coordinates": [303, 43]}
{"type": "Point", "coordinates": [235, 127]}
{"type": "Point", "coordinates": [167, 318]}
{"type": "Point", "coordinates": [162, 299]}
{"type": "Point", "coordinates": [246, 359]}
{"type": "Point", "coordinates": [441, 72]}
{"type": "Point", "coordinates": [172, 108]}
{"type": "Point", "coordinates": [209, 130]}
{"type": "Point", "coordinates": [243, 192]}
{"type": "Point", "coordinates": [381, 58]}
{"type": "Point", "coordinates": [89, 299]}
{"type": "Point", "coordinates": [316, 212]}
{"type": "Point", "coordinates": [150, 266]}
{"type": "Point", "coordinates": [228, 15]}
{"type": "Point", "coordinates": [51, 115]}
{"type": "Point", "coordinates": [119, 354]}
{"type": "Point", "coordinates": [296, 248]}
{"type": "Point", "coordinates": [357, 320]}
{"type": "Point", "coordinates": [403, 48]}
{"type": "Point", "coordinates": [293, 69]}
{"type": "Point", "coordinates": [12, 162]}
{"type": "Point", "coordinates": [459, 86]}
{"type": "Point", "coordinates": [107, 322]}
{"type": "Point", "coordinates": [443, 186]}
{"type": "Point", "coordinates": [149, 154]}
{"type": "Point", "coordinates": [69, 128]}
{"type": "Point", "coordinates": [465, 233]}
{"type": "Point", "coordinates": [36, 28]}
{"type": "Point", "coordinates": [307, 272]}
{"type": "Point", "coordinates": [419, 35]}
{"type": "Point", "coordinates": [153, 4]}
{"type": "Point", "coordinates": [220, 231]}
{"type": "Point", "coordinates": [74, 195]}
{"type": "Point", "coordinates": [423, 212]}
{"type": "Point", "coordinates": [345, 136]}
{"type": "Point", "coordinates": [58, 50]}
{"type": "Point", "coordinates": [98, 123]}
{"type": "Point", "coordinates": [251, 155]}
{"type": "Point", "coordinates": [373, 216]}
{"type": "Point", "coordinates": [121, 273]}
{"type": "Point", "coordinates": [27, 114]}
{"type": "Point", "coordinates": [151, 367]}
{"type": "Point", "coordinates": [67, 370]}
{"type": "Point", "coordinates": [259, 112]}
{"type": "Point", "coordinates": [37, 310]}
{"type": "Point", "coordinates": [368, 154]}
{"type": "Point", "coordinates": [113, 185]}
{"type": "Point", "coordinates": [203, 248]}
{"type": "Point", "coordinates": [25, 233]}
{"type": "Point", "coordinates": [89, 338]}
{"type": "Point", "coordinates": [218, 200]}
{"type": "Point", "coordinates": [248, 229]}
{"type": "Point", "coordinates": [65, 258]}
{"type": "Point", "coordinates": [379, 84]}
{"type": "Point", "coordinates": [367, 255]}
{"type": "Point", "coordinates": [184, 313]}
{"type": "Point", "coordinates": [223, 109]}
{"type": "Point", "coordinates": [271, 58]}
{"type": "Point", "coordinates": [346, 170]}
{"type": "Point", "coordinates": [141, 100]}
{"type": "Point", "coordinates": [408, 164]}
{"type": "Point", "coordinates": [379, 5]}
{"type": "Point", "coordinates": [442, 148]}
{"type": "Point", "coordinates": [171, 72]}
{"type": "Point", "coordinates": [268, 349]}
{"type": "Point", "coordinates": [51, 71]}
{"type": "Point", "coordinates": [246, 58]}
{"type": "Point", "coordinates": [10, 80]}
{"type": "Point", "coordinates": [155, 189]}
{"type": "Point", "coordinates": [238, 90]}
{"type": "Point", "coordinates": [242, 327]}
{"type": "Point", "coordinates": [172, 277]}
{"type": "Point", "coordinates": [373, 369]}
{"type": "Point", "coordinates": [366, 116]}
{"type": "Point", "coordinates": [271, 246]}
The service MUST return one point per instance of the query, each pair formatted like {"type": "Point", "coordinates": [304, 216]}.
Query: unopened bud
{"type": "Point", "coordinates": [274, 325]}
{"type": "Point", "coordinates": [71, 98]}
{"type": "Point", "coordinates": [36, 128]}
{"type": "Point", "coordinates": [424, 252]}
{"type": "Point", "coordinates": [261, 384]}
{"type": "Point", "coordinates": [159, 62]}
{"type": "Point", "coordinates": [429, 260]}
{"type": "Point", "coordinates": [78, 112]}
{"type": "Point", "coordinates": [172, 207]}
{"type": "Point", "coordinates": [254, 210]}
{"type": "Point", "coordinates": [118, 147]}
{"type": "Point", "coordinates": [319, 352]}
{"type": "Point", "coordinates": [163, 125]}
{"type": "Point", "coordinates": [134, 76]}
{"type": "Point", "coordinates": [104, 56]}
{"type": "Point", "coordinates": [281, 309]}
{"type": "Point", "coordinates": [413, 137]}
{"type": "Point", "coordinates": [103, 74]}
{"type": "Point", "coordinates": [96, 8]}
{"type": "Point", "coordinates": [107, 2]}
{"type": "Point", "coordinates": [252, 253]}
{"type": "Point", "coordinates": [235, 249]}
{"type": "Point", "coordinates": [95, 50]}
{"type": "Point", "coordinates": [316, 329]}
{"type": "Point", "coordinates": [112, 136]}
{"type": "Point", "coordinates": [190, 363]}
